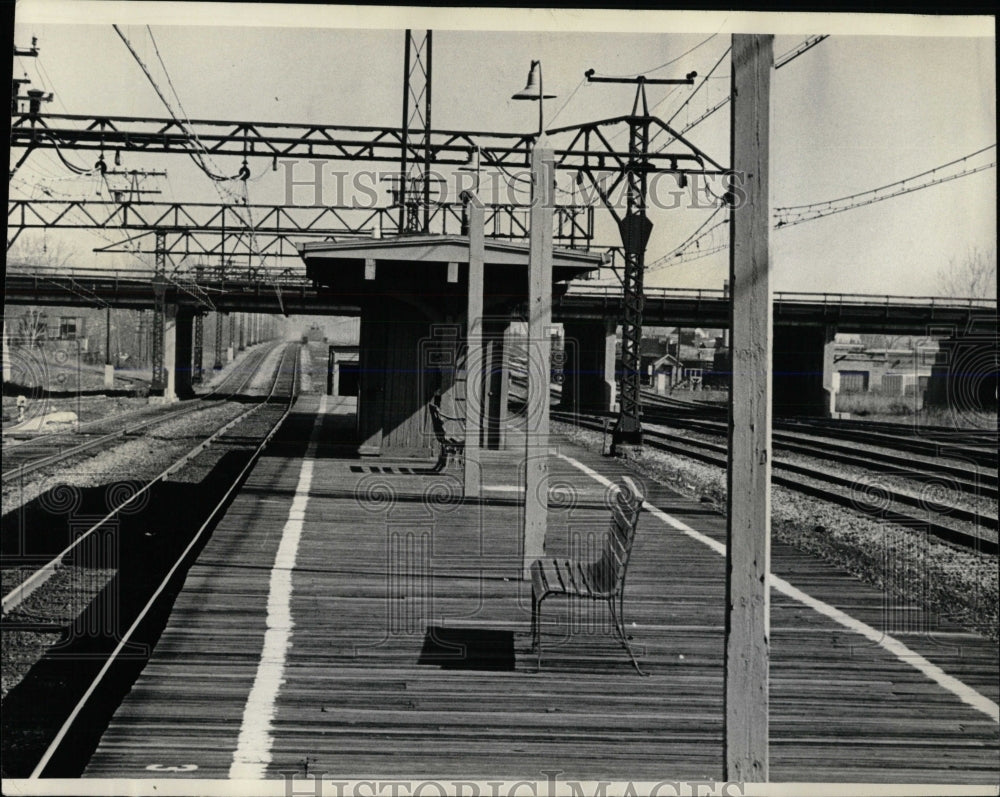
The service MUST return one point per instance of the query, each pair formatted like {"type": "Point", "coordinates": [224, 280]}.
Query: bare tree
{"type": "Point", "coordinates": [40, 252]}
{"type": "Point", "coordinates": [975, 276]}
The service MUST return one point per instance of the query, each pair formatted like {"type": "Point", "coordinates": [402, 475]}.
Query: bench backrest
{"type": "Point", "coordinates": [608, 572]}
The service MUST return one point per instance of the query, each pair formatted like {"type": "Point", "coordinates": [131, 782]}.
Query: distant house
{"type": "Point", "coordinates": [667, 372]}
{"type": "Point", "coordinates": [899, 370]}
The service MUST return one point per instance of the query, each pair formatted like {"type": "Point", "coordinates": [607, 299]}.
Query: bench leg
{"type": "Point", "coordinates": [617, 617]}
{"type": "Point", "coordinates": [536, 627]}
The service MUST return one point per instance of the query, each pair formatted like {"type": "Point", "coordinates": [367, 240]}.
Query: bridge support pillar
{"type": "Point", "coordinates": [169, 353]}
{"type": "Point", "coordinates": [177, 352]}
{"type": "Point", "coordinates": [231, 348]}
{"type": "Point", "coordinates": [243, 331]}
{"type": "Point", "coordinates": [198, 353]}
{"type": "Point", "coordinates": [803, 371]}
{"type": "Point", "coordinates": [589, 366]}
{"type": "Point", "coordinates": [220, 319]}
{"type": "Point", "coordinates": [964, 375]}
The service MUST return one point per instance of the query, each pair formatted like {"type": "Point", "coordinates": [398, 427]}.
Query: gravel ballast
{"type": "Point", "coordinates": [907, 565]}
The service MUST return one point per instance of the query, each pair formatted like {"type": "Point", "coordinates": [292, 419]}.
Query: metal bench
{"type": "Point", "coordinates": [602, 579]}
{"type": "Point", "coordinates": [451, 446]}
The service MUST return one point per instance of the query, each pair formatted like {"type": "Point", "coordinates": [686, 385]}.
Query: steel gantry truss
{"type": "Point", "coordinates": [207, 229]}
{"type": "Point", "coordinates": [588, 149]}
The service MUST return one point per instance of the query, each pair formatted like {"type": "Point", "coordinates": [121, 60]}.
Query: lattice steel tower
{"type": "Point", "coordinates": [414, 190]}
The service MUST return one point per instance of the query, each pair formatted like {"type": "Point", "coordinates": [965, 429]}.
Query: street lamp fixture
{"type": "Point", "coordinates": [533, 91]}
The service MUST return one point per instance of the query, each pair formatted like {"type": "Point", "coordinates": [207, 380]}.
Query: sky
{"type": "Point", "coordinates": [864, 108]}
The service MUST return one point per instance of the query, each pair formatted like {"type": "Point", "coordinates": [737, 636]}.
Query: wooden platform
{"type": "Point", "coordinates": [397, 577]}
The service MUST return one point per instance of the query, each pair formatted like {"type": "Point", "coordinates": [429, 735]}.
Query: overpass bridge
{"type": "Point", "coordinates": [289, 291]}
{"type": "Point", "coordinates": [804, 323]}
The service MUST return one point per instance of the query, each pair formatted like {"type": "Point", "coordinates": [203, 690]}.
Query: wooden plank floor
{"type": "Point", "coordinates": [370, 688]}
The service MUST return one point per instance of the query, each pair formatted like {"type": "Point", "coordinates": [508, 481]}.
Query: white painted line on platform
{"type": "Point", "coordinates": [965, 693]}
{"type": "Point", "coordinates": [253, 748]}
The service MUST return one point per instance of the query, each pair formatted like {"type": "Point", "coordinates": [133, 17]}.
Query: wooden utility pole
{"type": "Point", "coordinates": [748, 556]}
{"type": "Point", "coordinates": [474, 345]}
{"type": "Point", "coordinates": [536, 505]}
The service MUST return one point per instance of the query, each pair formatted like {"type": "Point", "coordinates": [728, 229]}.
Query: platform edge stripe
{"type": "Point", "coordinates": [253, 747]}
{"type": "Point", "coordinates": [965, 693]}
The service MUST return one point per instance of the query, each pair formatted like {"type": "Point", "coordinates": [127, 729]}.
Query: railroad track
{"type": "Point", "coordinates": [876, 500]}
{"type": "Point", "coordinates": [266, 420]}
{"type": "Point", "coordinates": [974, 480]}
{"type": "Point", "coordinates": [48, 450]}
{"type": "Point", "coordinates": [965, 446]}
{"type": "Point", "coordinates": [56, 743]}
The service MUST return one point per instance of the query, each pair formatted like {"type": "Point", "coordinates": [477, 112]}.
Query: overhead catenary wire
{"type": "Point", "coordinates": [797, 214]}
{"type": "Point", "coordinates": [195, 156]}
{"type": "Point", "coordinates": [848, 197]}
{"type": "Point", "coordinates": [798, 50]}
{"type": "Point", "coordinates": [781, 61]}
{"type": "Point", "coordinates": [198, 157]}
{"type": "Point", "coordinates": [665, 64]}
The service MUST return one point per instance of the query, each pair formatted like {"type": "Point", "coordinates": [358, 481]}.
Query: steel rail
{"type": "Point", "coordinates": [709, 453]}
{"type": "Point", "coordinates": [22, 591]}
{"type": "Point", "coordinates": [154, 598]}
{"type": "Point", "coordinates": [21, 470]}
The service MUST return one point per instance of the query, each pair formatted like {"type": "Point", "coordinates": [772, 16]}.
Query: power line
{"type": "Point", "coordinates": [808, 215]}
{"type": "Point", "coordinates": [180, 106]}
{"type": "Point", "coordinates": [666, 63]}
{"type": "Point", "coordinates": [792, 54]}
{"type": "Point", "coordinates": [795, 52]}
{"type": "Point", "coordinates": [678, 254]}
{"type": "Point", "coordinates": [196, 157]}
{"type": "Point", "coordinates": [796, 214]}
{"type": "Point", "coordinates": [704, 80]}
{"type": "Point", "coordinates": [887, 185]}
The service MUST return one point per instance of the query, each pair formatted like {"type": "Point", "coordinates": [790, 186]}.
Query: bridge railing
{"type": "Point", "coordinates": [297, 278]}
{"type": "Point", "coordinates": [801, 297]}
{"type": "Point", "coordinates": [208, 274]}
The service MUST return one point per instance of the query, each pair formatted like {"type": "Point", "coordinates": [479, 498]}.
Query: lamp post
{"type": "Point", "coordinates": [539, 331]}
{"type": "Point", "coordinates": [534, 92]}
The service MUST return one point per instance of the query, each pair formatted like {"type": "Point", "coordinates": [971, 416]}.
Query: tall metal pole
{"type": "Point", "coordinates": [107, 335]}
{"type": "Point", "coordinates": [199, 348]}
{"type": "Point", "coordinates": [634, 228]}
{"type": "Point", "coordinates": [474, 366]}
{"type": "Point", "coordinates": [404, 151]}
{"type": "Point", "coordinates": [427, 138]}
{"type": "Point", "coordinates": [109, 368]}
{"type": "Point", "coordinates": [198, 352]}
{"type": "Point", "coordinates": [220, 319]}
{"type": "Point", "coordinates": [159, 384]}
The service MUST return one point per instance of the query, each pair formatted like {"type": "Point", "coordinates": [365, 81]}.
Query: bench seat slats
{"type": "Point", "coordinates": [601, 579]}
